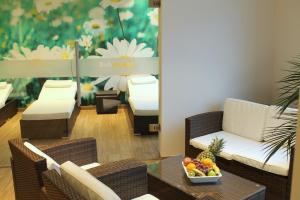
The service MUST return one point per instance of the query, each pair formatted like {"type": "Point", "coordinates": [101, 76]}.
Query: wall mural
{"type": "Point", "coordinates": [48, 29]}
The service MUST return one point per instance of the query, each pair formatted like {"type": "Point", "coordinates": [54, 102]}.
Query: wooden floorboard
{"type": "Point", "coordinates": [114, 134]}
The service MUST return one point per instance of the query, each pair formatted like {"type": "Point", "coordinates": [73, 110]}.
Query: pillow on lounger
{"type": "Point", "coordinates": [143, 80]}
{"type": "Point", "coordinates": [86, 184]}
{"type": "Point", "coordinates": [51, 164]}
{"type": "Point", "coordinates": [3, 85]}
{"type": "Point", "coordinates": [58, 83]}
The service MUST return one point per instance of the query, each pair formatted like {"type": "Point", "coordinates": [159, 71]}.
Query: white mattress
{"type": "Point", "coordinates": [49, 109]}
{"type": "Point", "coordinates": [67, 93]}
{"type": "Point", "coordinates": [4, 94]}
{"type": "Point", "coordinates": [144, 98]}
{"type": "Point", "coordinates": [144, 107]}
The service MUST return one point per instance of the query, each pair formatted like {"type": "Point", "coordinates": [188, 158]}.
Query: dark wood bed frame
{"type": "Point", "coordinates": [140, 124]}
{"type": "Point", "coordinates": [49, 129]}
{"type": "Point", "coordinates": [8, 111]}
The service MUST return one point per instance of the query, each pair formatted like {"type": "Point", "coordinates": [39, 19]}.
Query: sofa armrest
{"type": "Point", "coordinates": [202, 124]}
{"type": "Point", "coordinates": [128, 178]}
{"type": "Point", "coordinates": [79, 151]}
{"type": "Point", "coordinates": [56, 188]}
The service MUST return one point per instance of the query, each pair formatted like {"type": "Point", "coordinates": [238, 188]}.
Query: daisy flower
{"type": "Point", "coordinates": [116, 3]}
{"type": "Point", "coordinates": [95, 26]}
{"type": "Point", "coordinates": [154, 17]}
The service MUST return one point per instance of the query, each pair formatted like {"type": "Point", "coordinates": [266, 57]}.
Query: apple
{"type": "Point", "coordinates": [187, 161]}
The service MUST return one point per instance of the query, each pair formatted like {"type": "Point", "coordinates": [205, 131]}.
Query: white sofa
{"type": "Point", "coordinates": [242, 125]}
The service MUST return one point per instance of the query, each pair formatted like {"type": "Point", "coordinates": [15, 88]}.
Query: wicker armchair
{"type": "Point", "coordinates": [278, 187]}
{"type": "Point", "coordinates": [27, 167]}
{"type": "Point", "coordinates": [128, 178]}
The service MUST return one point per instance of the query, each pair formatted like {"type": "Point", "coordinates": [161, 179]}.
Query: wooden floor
{"type": "Point", "coordinates": [115, 141]}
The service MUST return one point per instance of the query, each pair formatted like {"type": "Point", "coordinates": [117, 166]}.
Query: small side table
{"type": "Point", "coordinates": [107, 102]}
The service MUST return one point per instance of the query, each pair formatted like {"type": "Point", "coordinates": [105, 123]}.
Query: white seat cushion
{"type": "Point", "coordinates": [51, 109]}
{"type": "Point", "coordinates": [255, 157]}
{"type": "Point", "coordinates": [245, 118]}
{"type": "Point", "coordinates": [233, 143]}
{"type": "Point", "coordinates": [58, 83]}
{"type": "Point", "coordinates": [144, 107]}
{"type": "Point", "coordinates": [146, 197]}
{"type": "Point", "coordinates": [143, 91]}
{"type": "Point", "coordinates": [52, 93]}
{"type": "Point", "coordinates": [4, 94]}
{"type": "Point", "coordinates": [3, 85]}
{"type": "Point", "coordinates": [86, 184]}
{"type": "Point", "coordinates": [51, 164]}
{"type": "Point", "coordinates": [246, 151]}
{"type": "Point", "coordinates": [90, 166]}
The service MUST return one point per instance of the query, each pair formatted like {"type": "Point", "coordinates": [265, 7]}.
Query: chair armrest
{"type": "Point", "coordinates": [56, 188]}
{"type": "Point", "coordinates": [79, 151]}
{"type": "Point", "coordinates": [202, 124]}
{"type": "Point", "coordinates": [128, 178]}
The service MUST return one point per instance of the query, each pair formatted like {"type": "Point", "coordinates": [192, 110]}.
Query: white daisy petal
{"type": "Point", "coordinates": [112, 83]}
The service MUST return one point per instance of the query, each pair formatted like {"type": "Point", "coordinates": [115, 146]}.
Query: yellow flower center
{"type": "Point", "coordinates": [65, 55]}
{"type": "Point", "coordinates": [87, 87]}
{"type": "Point", "coordinates": [95, 26]}
{"type": "Point", "coordinates": [156, 17]}
{"type": "Point", "coordinates": [48, 3]}
{"type": "Point", "coordinates": [124, 56]}
{"type": "Point", "coordinates": [116, 1]}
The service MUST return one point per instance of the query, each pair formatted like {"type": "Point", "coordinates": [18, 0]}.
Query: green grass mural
{"type": "Point", "coordinates": [48, 29]}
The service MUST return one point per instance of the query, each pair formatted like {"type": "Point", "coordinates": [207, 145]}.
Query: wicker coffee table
{"type": "Point", "coordinates": [168, 181]}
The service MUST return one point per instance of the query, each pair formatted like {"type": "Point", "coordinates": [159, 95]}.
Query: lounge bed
{"type": "Point", "coordinates": [8, 107]}
{"type": "Point", "coordinates": [144, 103]}
{"type": "Point", "coordinates": [54, 114]}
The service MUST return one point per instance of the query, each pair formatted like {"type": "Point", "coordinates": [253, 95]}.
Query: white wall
{"type": "Point", "coordinates": [287, 37]}
{"type": "Point", "coordinates": [212, 49]}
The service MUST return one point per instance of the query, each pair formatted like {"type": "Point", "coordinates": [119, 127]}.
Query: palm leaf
{"type": "Point", "coordinates": [284, 136]}
{"type": "Point", "coordinates": [281, 137]}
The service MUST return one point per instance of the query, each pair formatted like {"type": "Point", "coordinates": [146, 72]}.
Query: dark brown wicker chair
{"type": "Point", "coordinates": [27, 167]}
{"type": "Point", "coordinates": [128, 178]}
{"type": "Point", "coordinates": [278, 187]}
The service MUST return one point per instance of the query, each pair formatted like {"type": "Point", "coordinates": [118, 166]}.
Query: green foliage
{"type": "Point", "coordinates": [22, 25]}
{"type": "Point", "coordinates": [284, 136]}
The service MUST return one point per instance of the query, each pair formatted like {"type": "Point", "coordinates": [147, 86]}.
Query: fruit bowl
{"type": "Point", "coordinates": [197, 172]}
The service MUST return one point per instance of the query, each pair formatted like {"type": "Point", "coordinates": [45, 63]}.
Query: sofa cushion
{"type": "Point", "coordinates": [244, 118]}
{"type": "Point", "coordinates": [86, 184]}
{"type": "Point", "coordinates": [233, 143]}
{"type": "Point", "coordinates": [51, 164]}
{"type": "Point", "coordinates": [255, 157]}
{"type": "Point", "coordinates": [146, 197]}
{"type": "Point", "coordinates": [274, 119]}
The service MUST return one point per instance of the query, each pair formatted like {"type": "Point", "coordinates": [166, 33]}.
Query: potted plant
{"type": "Point", "coordinates": [284, 136]}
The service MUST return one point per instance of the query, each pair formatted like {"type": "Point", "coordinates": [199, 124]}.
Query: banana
{"type": "Point", "coordinates": [216, 169]}
{"type": "Point", "coordinates": [198, 172]}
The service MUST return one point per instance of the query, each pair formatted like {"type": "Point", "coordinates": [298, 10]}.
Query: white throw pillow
{"type": "Point", "coordinates": [58, 83]}
{"type": "Point", "coordinates": [245, 118]}
{"type": "Point", "coordinates": [3, 85]}
{"type": "Point", "coordinates": [86, 184]}
{"type": "Point", "coordinates": [143, 80]}
{"type": "Point", "coordinates": [51, 164]}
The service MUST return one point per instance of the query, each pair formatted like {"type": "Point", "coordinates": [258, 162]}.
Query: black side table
{"type": "Point", "coordinates": [107, 102]}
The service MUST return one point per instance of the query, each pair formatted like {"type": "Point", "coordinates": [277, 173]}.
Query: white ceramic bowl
{"type": "Point", "coordinates": [202, 179]}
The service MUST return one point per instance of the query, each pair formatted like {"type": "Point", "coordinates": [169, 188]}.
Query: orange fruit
{"type": "Point", "coordinates": [207, 162]}
{"type": "Point", "coordinates": [191, 167]}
